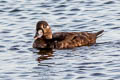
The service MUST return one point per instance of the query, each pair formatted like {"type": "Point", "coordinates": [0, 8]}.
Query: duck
{"type": "Point", "coordinates": [45, 39]}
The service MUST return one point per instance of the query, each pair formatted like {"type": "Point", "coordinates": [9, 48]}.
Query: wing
{"type": "Point", "coordinates": [67, 39]}
{"type": "Point", "coordinates": [64, 36]}
{"type": "Point", "coordinates": [73, 39]}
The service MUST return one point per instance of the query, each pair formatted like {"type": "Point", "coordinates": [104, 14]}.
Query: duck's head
{"type": "Point", "coordinates": [43, 30]}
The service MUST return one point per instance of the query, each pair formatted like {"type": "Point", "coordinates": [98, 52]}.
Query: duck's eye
{"type": "Point", "coordinates": [44, 26]}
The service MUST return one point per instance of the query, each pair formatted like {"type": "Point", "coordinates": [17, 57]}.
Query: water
{"type": "Point", "coordinates": [19, 61]}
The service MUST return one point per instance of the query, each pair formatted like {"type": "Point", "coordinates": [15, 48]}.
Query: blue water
{"type": "Point", "coordinates": [19, 61]}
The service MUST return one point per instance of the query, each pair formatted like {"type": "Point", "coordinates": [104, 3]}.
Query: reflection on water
{"type": "Point", "coordinates": [44, 54]}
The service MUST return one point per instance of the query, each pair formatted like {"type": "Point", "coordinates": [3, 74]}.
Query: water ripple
{"type": "Point", "coordinates": [15, 10]}
{"type": "Point", "coordinates": [17, 28]}
{"type": "Point", "coordinates": [109, 2]}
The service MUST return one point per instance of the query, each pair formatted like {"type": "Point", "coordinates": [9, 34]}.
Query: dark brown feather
{"type": "Point", "coordinates": [61, 40]}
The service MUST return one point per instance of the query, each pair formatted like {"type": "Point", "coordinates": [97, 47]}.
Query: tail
{"type": "Point", "coordinates": [100, 32]}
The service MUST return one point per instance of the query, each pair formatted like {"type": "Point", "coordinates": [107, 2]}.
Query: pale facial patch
{"type": "Point", "coordinates": [40, 34]}
{"type": "Point", "coordinates": [47, 27]}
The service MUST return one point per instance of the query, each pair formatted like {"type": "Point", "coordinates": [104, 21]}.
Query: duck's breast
{"type": "Point", "coordinates": [39, 43]}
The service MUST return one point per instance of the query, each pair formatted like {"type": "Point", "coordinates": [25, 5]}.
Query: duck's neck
{"type": "Point", "coordinates": [48, 34]}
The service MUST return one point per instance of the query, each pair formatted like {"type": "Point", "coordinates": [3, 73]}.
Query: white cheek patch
{"type": "Point", "coordinates": [47, 27]}
{"type": "Point", "coordinates": [40, 33]}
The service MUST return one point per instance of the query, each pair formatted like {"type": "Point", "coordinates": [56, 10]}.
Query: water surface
{"type": "Point", "coordinates": [19, 61]}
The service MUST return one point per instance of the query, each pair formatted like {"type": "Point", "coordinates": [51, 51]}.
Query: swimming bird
{"type": "Point", "coordinates": [45, 39]}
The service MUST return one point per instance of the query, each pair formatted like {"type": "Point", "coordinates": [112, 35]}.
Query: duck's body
{"type": "Point", "coordinates": [61, 40]}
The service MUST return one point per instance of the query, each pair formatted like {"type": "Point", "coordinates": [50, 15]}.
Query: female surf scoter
{"type": "Point", "coordinates": [45, 39]}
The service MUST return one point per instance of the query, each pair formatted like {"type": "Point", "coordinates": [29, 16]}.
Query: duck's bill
{"type": "Point", "coordinates": [39, 34]}
{"type": "Point", "coordinates": [36, 37]}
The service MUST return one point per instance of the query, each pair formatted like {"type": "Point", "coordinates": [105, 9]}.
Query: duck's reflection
{"type": "Point", "coordinates": [44, 54]}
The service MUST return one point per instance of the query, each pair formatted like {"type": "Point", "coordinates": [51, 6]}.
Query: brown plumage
{"type": "Point", "coordinates": [60, 40]}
